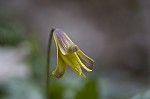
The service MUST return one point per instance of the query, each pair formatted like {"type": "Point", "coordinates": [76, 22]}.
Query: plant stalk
{"type": "Point", "coordinates": [48, 64]}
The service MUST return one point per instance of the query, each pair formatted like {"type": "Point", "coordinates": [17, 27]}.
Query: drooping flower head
{"type": "Point", "coordinates": [69, 54]}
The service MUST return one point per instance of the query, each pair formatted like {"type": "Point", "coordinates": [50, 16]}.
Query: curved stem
{"type": "Point", "coordinates": [48, 64]}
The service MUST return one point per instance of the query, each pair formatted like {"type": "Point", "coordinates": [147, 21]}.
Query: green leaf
{"type": "Point", "coordinates": [89, 91]}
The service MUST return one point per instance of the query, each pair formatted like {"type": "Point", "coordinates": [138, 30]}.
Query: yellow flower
{"type": "Point", "coordinates": [69, 54]}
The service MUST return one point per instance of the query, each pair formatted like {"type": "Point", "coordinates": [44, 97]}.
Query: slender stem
{"type": "Point", "coordinates": [48, 64]}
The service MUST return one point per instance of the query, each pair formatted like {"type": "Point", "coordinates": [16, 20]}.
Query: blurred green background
{"type": "Point", "coordinates": [116, 34]}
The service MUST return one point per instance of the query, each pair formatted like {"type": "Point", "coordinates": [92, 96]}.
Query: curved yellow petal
{"type": "Point", "coordinates": [72, 61]}
{"type": "Point", "coordinates": [60, 68]}
{"type": "Point", "coordinates": [64, 42]}
{"type": "Point", "coordinates": [87, 61]}
{"type": "Point", "coordinates": [81, 64]}
{"type": "Point", "coordinates": [61, 65]}
{"type": "Point", "coordinates": [80, 74]}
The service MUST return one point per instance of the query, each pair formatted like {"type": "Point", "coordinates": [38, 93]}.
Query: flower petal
{"type": "Point", "coordinates": [60, 68]}
{"type": "Point", "coordinates": [64, 42]}
{"type": "Point", "coordinates": [80, 74]}
{"type": "Point", "coordinates": [73, 61]}
{"type": "Point", "coordinates": [61, 65]}
{"type": "Point", "coordinates": [81, 64]}
{"type": "Point", "coordinates": [87, 61]}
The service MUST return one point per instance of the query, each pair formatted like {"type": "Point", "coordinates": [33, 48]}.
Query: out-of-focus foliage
{"type": "Point", "coordinates": [36, 62]}
{"type": "Point", "coordinates": [19, 89]}
{"type": "Point", "coordinates": [56, 91]}
{"type": "Point", "coordinates": [89, 91]}
{"type": "Point", "coordinates": [11, 33]}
